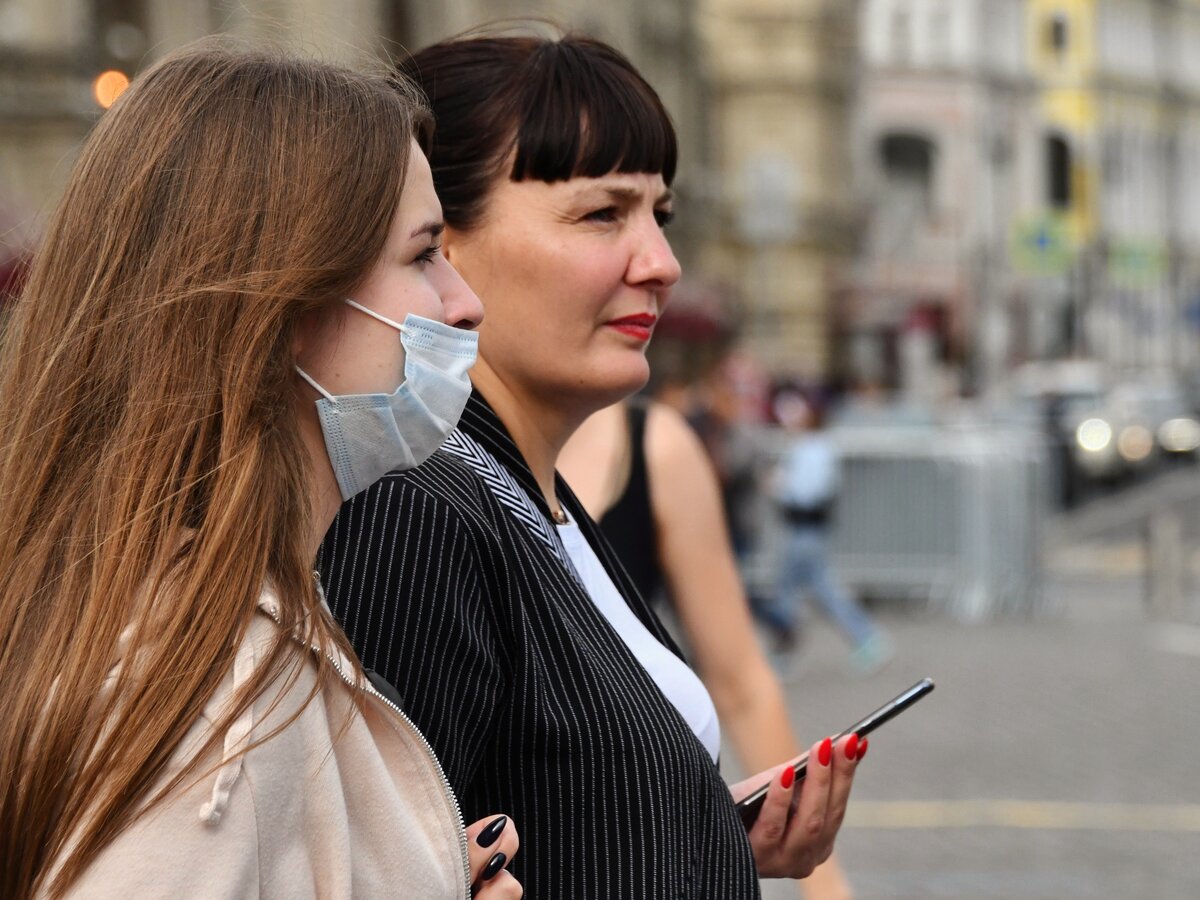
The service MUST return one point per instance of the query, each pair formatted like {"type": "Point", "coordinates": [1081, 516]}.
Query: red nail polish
{"type": "Point", "coordinates": [862, 749]}
{"type": "Point", "coordinates": [788, 776]}
{"type": "Point", "coordinates": [825, 751]}
{"type": "Point", "coordinates": [852, 747]}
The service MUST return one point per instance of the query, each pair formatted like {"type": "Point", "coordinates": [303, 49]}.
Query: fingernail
{"type": "Point", "coordinates": [491, 833]}
{"type": "Point", "coordinates": [494, 865]}
{"type": "Point", "coordinates": [862, 749]}
{"type": "Point", "coordinates": [852, 747]}
{"type": "Point", "coordinates": [788, 776]}
{"type": "Point", "coordinates": [825, 751]}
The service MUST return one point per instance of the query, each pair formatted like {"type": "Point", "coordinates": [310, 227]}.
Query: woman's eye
{"type": "Point", "coordinates": [427, 255]}
{"type": "Point", "coordinates": [607, 214]}
{"type": "Point", "coordinates": [664, 217]}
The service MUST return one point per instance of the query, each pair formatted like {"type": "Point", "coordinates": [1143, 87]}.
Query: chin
{"type": "Point", "coordinates": [611, 384]}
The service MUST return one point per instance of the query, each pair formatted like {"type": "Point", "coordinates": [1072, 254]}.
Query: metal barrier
{"type": "Point", "coordinates": [953, 516]}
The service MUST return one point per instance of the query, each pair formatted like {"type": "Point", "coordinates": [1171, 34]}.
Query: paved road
{"type": "Point", "coordinates": [1058, 756]}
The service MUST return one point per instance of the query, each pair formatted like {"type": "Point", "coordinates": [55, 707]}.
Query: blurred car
{"type": "Point", "coordinates": [1138, 424]}
{"type": "Point", "coordinates": [1057, 397]}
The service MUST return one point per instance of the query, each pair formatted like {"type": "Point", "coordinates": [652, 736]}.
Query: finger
{"type": "Point", "coordinates": [808, 824]}
{"type": "Point", "coordinates": [503, 886]}
{"type": "Point", "coordinates": [845, 763]}
{"type": "Point", "coordinates": [772, 822]}
{"type": "Point", "coordinates": [487, 838]}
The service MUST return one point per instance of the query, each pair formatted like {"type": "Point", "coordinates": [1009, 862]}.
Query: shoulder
{"type": "Point", "coordinates": [443, 479]}
{"type": "Point", "coordinates": [670, 438]}
{"type": "Point", "coordinates": [674, 451]}
{"type": "Point", "coordinates": [206, 829]}
{"type": "Point", "coordinates": [442, 493]}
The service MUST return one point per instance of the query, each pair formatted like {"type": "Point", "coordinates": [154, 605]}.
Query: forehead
{"type": "Point", "coordinates": [419, 200]}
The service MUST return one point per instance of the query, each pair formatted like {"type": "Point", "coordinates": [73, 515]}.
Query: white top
{"type": "Point", "coordinates": [677, 682]}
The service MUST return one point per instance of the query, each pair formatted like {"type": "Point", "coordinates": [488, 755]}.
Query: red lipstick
{"type": "Point", "coordinates": [639, 327]}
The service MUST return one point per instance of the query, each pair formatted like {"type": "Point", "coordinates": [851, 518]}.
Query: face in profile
{"type": "Point", "coordinates": [348, 352]}
{"type": "Point", "coordinates": [574, 275]}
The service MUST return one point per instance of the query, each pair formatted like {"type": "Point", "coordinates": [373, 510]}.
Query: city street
{"type": "Point", "coordinates": [1056, 759]}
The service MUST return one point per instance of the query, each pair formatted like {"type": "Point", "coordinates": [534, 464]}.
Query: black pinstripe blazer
{"type": "Point", "coordinates": [531, 700]}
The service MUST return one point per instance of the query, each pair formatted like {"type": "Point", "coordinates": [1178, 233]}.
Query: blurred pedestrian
{"type": "Point", "coordinates": [643, 474]}
{"type": "Point", "coordinates": [477, 583]}
{"type": "Point", "coordinates": [805, 487]}
{"type": "Point", "coordinates": [182, 716]}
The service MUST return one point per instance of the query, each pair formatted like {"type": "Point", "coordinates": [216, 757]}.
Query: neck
{"type": "Point", "coordinates": [538, 426]}
{"type": "Point", "coordinates": [326, 496]}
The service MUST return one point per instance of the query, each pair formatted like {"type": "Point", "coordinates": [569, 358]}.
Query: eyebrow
{"type": "Point", "coordinates": [433, 228]}
{"type": "Point", "coordinates": [630, 194]}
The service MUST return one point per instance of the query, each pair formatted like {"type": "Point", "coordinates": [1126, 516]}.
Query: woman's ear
{"type": "Point", "coordinates": [302, 333]}
{"type": "Point", "coordinates": [313, 333]}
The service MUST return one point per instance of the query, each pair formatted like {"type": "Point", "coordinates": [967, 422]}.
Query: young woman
{"type": "Point", "coordinates": [477, 584]}
{"type": "Point", "coordinates": [188, 398]}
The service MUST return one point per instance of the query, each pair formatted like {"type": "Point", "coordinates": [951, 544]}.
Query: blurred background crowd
{"type": "Point", "coordinates": [969, 232]}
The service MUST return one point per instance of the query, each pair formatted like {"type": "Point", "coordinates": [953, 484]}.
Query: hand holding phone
{"type": "Point", "coordinates": [748, 807]}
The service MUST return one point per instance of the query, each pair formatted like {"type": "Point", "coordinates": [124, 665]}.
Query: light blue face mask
{"type": "Point", "coordinates": [369, 435]}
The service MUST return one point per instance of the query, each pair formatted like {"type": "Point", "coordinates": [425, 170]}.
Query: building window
{"type": "Point", "coordinates": [941, 39]}
{"type": "Point", "coordinates": [1058, 172]}
{"type": "Point", "coordinates": [397, 25]}
{"type": "Point", "coordinates": [1057, 34]}
{"type": "Point", "coordinates": [907, 157]}
{"type": "Point", "coordinates": [907, 201]}
{"type": "Point", "coordinates": [901, 36]}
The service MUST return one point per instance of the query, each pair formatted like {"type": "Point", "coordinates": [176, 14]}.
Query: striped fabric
{"type": "Point", "coordinates": [531, 700]}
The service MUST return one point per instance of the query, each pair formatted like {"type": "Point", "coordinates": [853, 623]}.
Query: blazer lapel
{"type": "Point", "coordinates": [481, 423]}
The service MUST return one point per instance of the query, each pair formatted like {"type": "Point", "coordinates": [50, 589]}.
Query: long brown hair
{"type": "Point", "coordinates": [152, 474]}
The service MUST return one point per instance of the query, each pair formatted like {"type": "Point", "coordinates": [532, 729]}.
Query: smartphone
{"type": "Point", "coordinates": [749, 805]}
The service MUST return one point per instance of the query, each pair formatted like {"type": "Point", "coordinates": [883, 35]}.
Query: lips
{"type": "Point", "coordinates": [639, 326]}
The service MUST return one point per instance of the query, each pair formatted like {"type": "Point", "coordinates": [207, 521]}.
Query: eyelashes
{"type": "Point", "coordinates": [426, 256]}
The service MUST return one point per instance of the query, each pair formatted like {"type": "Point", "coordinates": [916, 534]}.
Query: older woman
{"type": "Point", "coordinates": [478, 585]}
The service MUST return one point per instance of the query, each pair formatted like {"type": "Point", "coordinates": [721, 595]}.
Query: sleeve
{"type": "Point", "coordinates": [403, 569]}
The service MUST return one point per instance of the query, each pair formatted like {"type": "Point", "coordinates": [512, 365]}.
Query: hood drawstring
{"type": "Point", "coordinates": [236, 739]}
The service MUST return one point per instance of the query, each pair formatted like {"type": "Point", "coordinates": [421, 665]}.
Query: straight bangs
{"type": "Point", "coordinates": [591, 114]}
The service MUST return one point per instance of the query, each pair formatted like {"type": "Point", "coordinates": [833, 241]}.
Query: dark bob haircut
{"type": "Point", "coordinates": [560, 108]}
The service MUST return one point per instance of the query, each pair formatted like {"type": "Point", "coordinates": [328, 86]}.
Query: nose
{"type": "Point", "coordinates": [460, 307]}
{"type": "Point", "coordinates": [654, 264]}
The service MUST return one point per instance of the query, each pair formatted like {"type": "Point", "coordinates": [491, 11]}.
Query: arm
{"type": "Point", "coordinates": [701, 574]}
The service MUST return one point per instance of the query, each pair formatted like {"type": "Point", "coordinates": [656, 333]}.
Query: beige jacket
{"type": "Point", "coordinates": [368, 815]}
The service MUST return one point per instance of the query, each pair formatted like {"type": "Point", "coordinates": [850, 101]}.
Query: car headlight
{"type": "Point", "coordinates": [1093, 435]}
{"type": "Point", "coordinates": [1181, 435]}
{"type": "Point", "coordinates": [1135, 443]}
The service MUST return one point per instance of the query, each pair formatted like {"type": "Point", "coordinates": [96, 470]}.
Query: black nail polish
{"type": "Point", "coordinates": [491, 833]}
{"type": "Point", "coordinates": [495, 864]}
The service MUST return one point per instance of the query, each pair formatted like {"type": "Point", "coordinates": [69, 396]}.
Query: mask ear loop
{"type": "Point", "coordinates": [316, 387]}
{"type": "Point", "coordinates": [374, 315]}
{"type": "Point", "coordinates": [370, 312]}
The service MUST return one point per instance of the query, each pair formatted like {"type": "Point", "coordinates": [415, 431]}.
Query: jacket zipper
{"type": "Point", "coordinates": [462, 828]}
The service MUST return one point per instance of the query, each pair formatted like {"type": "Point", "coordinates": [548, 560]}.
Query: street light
{"type": "Point", "coordinates": [108, 86]}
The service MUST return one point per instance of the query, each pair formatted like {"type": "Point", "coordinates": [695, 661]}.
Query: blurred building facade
{"type": "Point", "coordinates": [781, 75]}
{"type": "Point", "coordinates": [1023, 170]}
{"type": "Point", "coordinates": [52, 51]}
